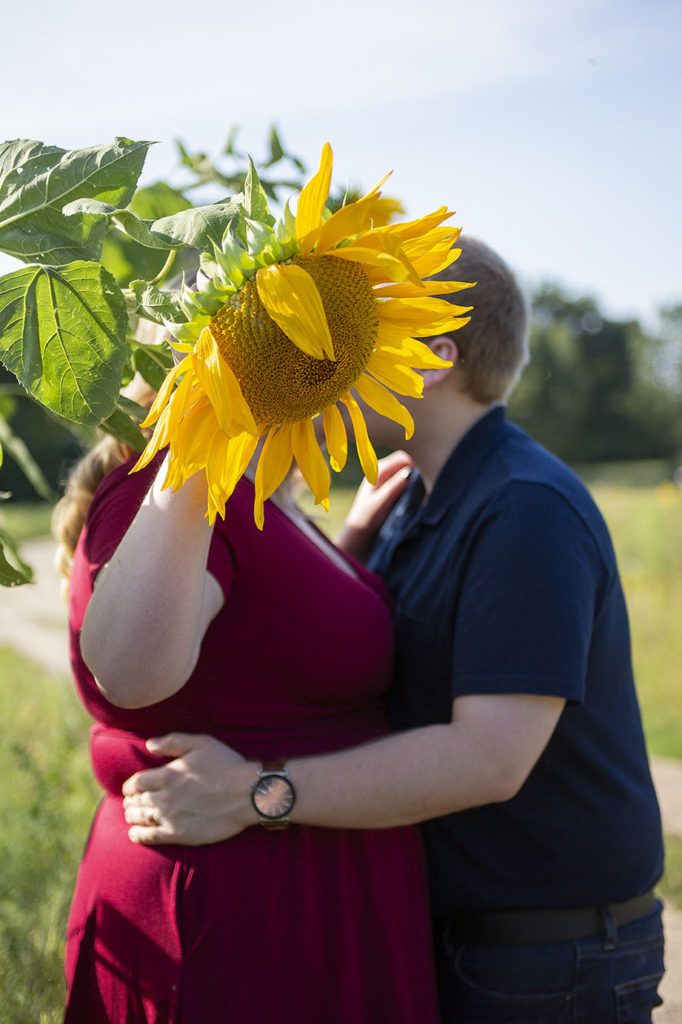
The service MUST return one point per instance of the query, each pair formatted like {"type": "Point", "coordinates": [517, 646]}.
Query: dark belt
{"type": "Point", "coordinates": [531, 927]}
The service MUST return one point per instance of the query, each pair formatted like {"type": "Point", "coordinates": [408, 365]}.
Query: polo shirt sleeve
{"type": "Point", "coordinates": [529, 597]}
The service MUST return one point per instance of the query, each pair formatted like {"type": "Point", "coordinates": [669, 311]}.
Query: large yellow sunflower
{"type": "Point", "coordinates": [290, 322]}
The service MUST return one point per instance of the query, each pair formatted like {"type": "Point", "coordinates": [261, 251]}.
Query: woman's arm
{"type": "Point", "coordinates": [154, 600]}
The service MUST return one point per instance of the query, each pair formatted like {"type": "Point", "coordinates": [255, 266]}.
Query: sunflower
{"type": "Point", "coordinates": [293, 321]}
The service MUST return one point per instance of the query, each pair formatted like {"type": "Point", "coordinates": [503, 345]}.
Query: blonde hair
{"type": "Point", "coordinates": [69, 513]}
{"type": "Point", "coordinates": [493, 346]}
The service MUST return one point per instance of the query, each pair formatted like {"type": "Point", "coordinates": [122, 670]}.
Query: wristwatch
{"type": "Point", "coordinates": [273, 795]}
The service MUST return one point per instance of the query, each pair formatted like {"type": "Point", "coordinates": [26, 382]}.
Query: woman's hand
{"type": "Point", "coordinates": [372, 504]}
{"type": "Point", "coordinates": [202, 796]}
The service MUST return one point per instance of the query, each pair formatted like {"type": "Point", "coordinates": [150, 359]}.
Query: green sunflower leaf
{"type": "Point", "coordinates": [155, 303]}
{"type": "Point", "coordinates": [124, 429]}
{"type": "Point", "coordinates": [255, 200]}
{"type": "Point", "coordinates": [16, 447]}
{"type": "Point", "coordinates": [133, 409]}
{"type": "Point", "coordinates": [63, 335]}
{"type": "Point", "coordinates": [153, 363]}
{"type": "Point", "coordinates": [125, 220]}
{"type": "Point", "coordinates": [199, 226]}
{"type": "Point", "coordinates": [151, 202]}
{"type": "Point", "coordinates": [276, 148]}
{"type": "Point", "coordinates": [13, 570]}
{"type": "Point", "coordinates": [38, 181]}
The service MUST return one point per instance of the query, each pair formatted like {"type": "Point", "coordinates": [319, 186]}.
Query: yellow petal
{"type": "Point", "coordinates": [379, 264]}
{"type": "Point", "coordinates": [335, 436]}
{"type": "Point", "coordinates": [238, 453]}
{"type": "Point", "coordinates": [436, 239]}
{"type": "Point", "coordinates": [393, 334]}
{"type": "Point", "coordinates": [290, 296]}
{"type": "Point", "coordinates": [222, 387]}
{"type": "Point", "coordinates": [432, 261]}
{"type": "Point", "coordinates": [384, 210]}
{"type": "Point", "coordinates": [352, 219]}
{"type": "Point", "coordinates": [444, 327]}
{"type": "Point", "coordinates": [312, 199]}
{"type": "Point", "coordinates": [422, 225]}
{"type": "Point", "coordinates": [380, 399]}
{"type": "Point", "coordinates": [158, 440]}
{"type": "Point", "coordinates": [163, 395]}
{"type": "Point", "coordinates": [196, 433]}
{"type": "Point", "coordinates": [400, 378]}
{"type": "Point", "coordinates": [412, 353]}
{"type": "Point", "coordinates": [407, 290]}
{"type": "Point", "coordinates": [311, 461]}
{"type": "Point", "coordinates": [366, 453]}
{"type": "Point", "coordinates": [180, 401]}
{"type": "Point", "coordinates": [273, 463]}
{"type": "Point", "coordinates": [226, 461]}
{"type": "Point", "coordinates": [420, 312]}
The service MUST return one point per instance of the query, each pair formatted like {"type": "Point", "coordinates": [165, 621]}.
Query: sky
{"type": "Point", "coordinates": [553, 130]}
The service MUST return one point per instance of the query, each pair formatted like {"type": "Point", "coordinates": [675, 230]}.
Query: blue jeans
{"type": "Point", "coordinates": [607, 979]}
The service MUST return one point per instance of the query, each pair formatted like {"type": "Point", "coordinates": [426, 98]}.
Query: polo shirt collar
{"type": "Point", "coordinates": [464, 462]}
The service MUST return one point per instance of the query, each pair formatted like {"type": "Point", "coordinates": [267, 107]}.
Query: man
{"type": "Point", "coordinates": [518, 737]}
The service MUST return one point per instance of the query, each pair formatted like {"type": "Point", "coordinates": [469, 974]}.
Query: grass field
{"type": "Point", "coordinates": [46, 804]}
{"type": "Point", "coordinates": [646, 525]}
{"type": "Point", "coordinates": [25, 520]}
{"type": "Point", "coordinates": [49, 796]}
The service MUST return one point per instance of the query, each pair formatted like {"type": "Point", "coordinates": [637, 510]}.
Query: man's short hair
{"type": "Point", "coordinates": [493, 346]}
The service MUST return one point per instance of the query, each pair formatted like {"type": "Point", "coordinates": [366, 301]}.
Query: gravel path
{"type": "Point", "coordinates": [33, 622]}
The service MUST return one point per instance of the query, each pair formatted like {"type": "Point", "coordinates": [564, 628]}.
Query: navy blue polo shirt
{"type": "Point", "coordinates": [505, 581]}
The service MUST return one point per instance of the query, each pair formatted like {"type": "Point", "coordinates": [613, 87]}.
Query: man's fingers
{"type": "Point", "coordinates": [157, 835]}
{"type": "Point", "coordinates": [391, 465]}
{"type": "Point", "coordinates": [395, 485]}
{"type": "Point", "coordinates": [148, 781]}
{"type": "Point", "coordinates": [141, 809]}
{"type": "Point", "coordinates": [175, 744]}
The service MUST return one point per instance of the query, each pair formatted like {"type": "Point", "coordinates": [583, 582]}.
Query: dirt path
{"type": "Point", "coordinates": [33, 622]}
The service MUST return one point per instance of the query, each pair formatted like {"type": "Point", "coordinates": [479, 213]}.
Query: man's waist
{"type": "Point", "coordinates": [534, 927]}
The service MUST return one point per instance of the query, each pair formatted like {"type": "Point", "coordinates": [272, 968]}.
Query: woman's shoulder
{"type": "Point", "coordinates": [123, 486]}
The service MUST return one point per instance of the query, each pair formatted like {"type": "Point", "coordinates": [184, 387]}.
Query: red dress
{"type": "Point", "coordinates": [304, 925]}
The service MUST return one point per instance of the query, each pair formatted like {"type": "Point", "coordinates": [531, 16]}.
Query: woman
{"type": "Point", "coordinates": [276, 644]}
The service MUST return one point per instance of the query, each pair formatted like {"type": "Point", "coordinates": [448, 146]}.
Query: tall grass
{"type": "Point", "coordinates": [646, 526]}
{"type": "Point", "coordinates": [48, 798]}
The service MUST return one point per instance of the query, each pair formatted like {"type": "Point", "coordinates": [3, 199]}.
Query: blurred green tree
{"type": "Point", "coordinates": [592, 391]}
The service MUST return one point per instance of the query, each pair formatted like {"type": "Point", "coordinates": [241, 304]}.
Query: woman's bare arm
{"type": "Point", "coordinates": [154, 600]}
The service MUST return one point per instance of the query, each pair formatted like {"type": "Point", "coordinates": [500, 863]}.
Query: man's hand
{"type": "Point", "coordinates": [202, 796]}
{"type": "Point", "coordinates": [372, 503]}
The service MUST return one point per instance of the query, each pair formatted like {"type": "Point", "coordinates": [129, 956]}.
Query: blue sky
{"type": "Point", "coordinates": [554, 130]}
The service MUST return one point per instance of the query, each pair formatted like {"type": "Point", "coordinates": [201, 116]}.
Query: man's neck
{"type": "Point", "coordinates": [434, 441]}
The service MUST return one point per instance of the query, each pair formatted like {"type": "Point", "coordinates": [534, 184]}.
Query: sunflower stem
{"type": "Point", "coordinates": [165, 269]}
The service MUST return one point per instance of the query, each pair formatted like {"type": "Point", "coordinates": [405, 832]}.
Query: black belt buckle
{"type": "Point", "coordinates": [538, 927]}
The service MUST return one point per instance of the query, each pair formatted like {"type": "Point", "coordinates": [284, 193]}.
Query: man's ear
{"type": "Point", "coordinates": [446, 348]}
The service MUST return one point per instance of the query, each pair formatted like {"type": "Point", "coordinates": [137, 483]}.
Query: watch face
{"type": "Point", "coordinates": [273, 797]}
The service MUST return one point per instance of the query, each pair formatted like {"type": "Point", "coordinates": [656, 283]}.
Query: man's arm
{"type": "Point", "coordinates": [484, 755]}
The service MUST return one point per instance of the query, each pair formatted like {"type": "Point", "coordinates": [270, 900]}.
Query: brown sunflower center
{"type": "Point", "coordinates": [281, 383]}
